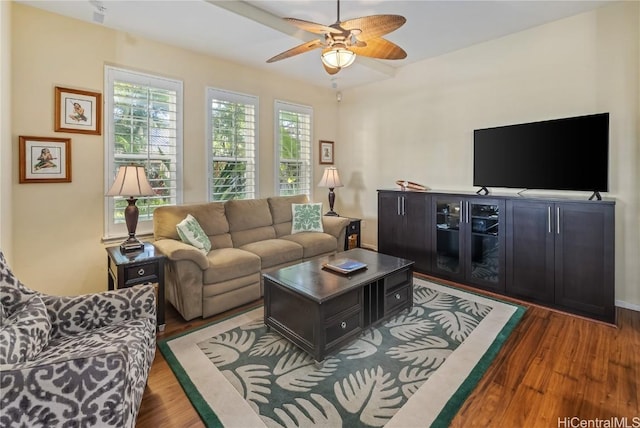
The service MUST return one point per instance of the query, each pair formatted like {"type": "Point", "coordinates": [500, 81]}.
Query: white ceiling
{"type": "Point", "coordinates": [250, 32]}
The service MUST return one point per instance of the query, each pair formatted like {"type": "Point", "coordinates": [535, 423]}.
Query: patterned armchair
{"type": "Point", "coordinates": [73, 361]}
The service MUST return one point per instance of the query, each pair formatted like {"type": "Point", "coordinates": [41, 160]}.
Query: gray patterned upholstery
{"type": "Point", "coordinates": [73, 361]}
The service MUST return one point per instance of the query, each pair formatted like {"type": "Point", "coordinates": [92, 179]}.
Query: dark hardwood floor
{"type": "Point", "coordinates": [553, 366]}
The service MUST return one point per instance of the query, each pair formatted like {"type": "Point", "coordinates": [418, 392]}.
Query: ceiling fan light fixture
{"type": "Point", "coordinates": [338, 57]}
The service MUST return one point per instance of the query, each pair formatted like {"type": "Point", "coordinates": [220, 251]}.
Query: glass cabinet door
{"type": "Point", "coordinates": [484, 241]}
{"type": "Point", "coordinates": [448, 223]}
{"type": "Point", "coordinates": [469, 243]}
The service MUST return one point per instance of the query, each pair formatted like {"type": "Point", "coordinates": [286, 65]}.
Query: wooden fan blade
{"type": "Point", "coordinates": [330, 70]}
{"type": "Point", "coordinates": [305, 47]}
{"type": "Point", "coordinates": [312, 27]}
{"type": "Point", "coordinates": [374, 26]}
{"type": "Point", "coordinates": [380, 48]}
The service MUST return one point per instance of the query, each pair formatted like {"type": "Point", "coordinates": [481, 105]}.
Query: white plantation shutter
{"type": "Point", "coordinates": [293, 124]}
{"type": "Point", "coordinates": [232, 129]}
{"type": "Point", "coordinates": [143, 126]}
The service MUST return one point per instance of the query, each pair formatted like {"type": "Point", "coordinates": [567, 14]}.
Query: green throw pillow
{"type": "Point", "coordinates": [190, 232]}
{"type": "Point", "coordinates": [306, 218]}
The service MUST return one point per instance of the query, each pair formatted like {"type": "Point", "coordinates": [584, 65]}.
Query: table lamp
{"type": "Point", "coordinates": [331, 179]}
{"type": "Point", "coordinates": [131, 182]}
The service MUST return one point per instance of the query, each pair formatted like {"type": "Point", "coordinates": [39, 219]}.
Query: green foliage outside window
{"type": "Point", "coordinates": [145, 135]}
{"type": "Point", "coordinates": [292, 168]}
{"type": "Point", "coordinates": [233, 129]}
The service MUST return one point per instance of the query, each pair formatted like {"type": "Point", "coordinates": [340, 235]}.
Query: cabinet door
{"type": "Point", "coordinates": [390, 224]}
{"type": "Point", "coordinates": [447, 239]}
{"type": "Point", "coordinates": [484, 242]}
{"type": "Point", "coordinates": [530, 250]}
{"type": "Point", "coordinates": [417, 224]}
{"type": "Point", "coordinates": [584, 259]}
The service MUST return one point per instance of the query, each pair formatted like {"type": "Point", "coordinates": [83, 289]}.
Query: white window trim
{"type": "Point", "coordinates": [112, 230]}
{"type": "Point", "coordinates": [236, 97]}
{"type": "Point", "coordinates": [296, 108]}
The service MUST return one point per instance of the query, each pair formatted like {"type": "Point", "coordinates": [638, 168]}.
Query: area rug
{"type": "Point", "coordinates": [414, 370]}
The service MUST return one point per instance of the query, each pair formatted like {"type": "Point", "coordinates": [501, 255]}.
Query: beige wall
{"type": "Point", "coordinates": [58, 227]}
{"type": "Point", "coordinates": [419, 126]}
{"type": "Point", "coordinates": [6, 159]}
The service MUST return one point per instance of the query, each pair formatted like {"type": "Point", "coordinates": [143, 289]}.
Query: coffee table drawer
{"type": "Point", "coordinates": [342, 327]}
{"type": "Point", "coordinates": [398, 279]}
{"type": "Point", "coordinates": [342, 303]}
{"type": "Point", "coordinates": [399, 297]}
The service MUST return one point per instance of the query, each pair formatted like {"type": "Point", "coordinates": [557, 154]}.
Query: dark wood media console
{"type": "Point", "coordinates": [321, 310]}
{"type": "Point", "coordinates": [556, 252]}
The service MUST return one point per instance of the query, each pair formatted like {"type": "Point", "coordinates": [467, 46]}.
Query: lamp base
{"type": "Point", "coordinates": [332, 214]}
{"type": "Point", "coordinates": [131, 218]}
{"type": "Point", "coordinates": [131, 244]}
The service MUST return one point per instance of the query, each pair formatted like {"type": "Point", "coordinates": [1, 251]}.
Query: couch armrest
{"type": "Point", "coordinates": [335, 226]}
{"type": "Point", "coordinates": [177, 250]}
{"type": "Point", "coordinates": [74, 314]}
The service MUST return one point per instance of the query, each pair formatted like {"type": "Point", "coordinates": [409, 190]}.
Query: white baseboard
{"type": "Point", "coordinates": [623, 304]}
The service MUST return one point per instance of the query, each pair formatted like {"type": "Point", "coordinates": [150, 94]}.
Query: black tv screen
{"type": "Point", "coordinates": [562, 154]}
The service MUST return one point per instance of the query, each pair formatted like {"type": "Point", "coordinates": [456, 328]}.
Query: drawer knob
{"type": "Point", "coordinates": [343, 324]}
{"type": "Point", "coordinates": [397, 296]}
{"type": "Point", "coordinates": [141, 271]}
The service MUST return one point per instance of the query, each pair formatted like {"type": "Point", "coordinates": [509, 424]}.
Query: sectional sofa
{"type": "Point", "coordinates": [248, 237]}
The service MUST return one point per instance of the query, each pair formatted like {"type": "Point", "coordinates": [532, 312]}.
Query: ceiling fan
{"type": "Point", "coordinates": [342, 41]}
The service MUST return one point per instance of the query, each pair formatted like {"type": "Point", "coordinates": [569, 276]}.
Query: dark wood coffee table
{"type": "Point", "coordinates": [320, 310]}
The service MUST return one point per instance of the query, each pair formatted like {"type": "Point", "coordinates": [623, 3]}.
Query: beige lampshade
{"type": "Point", "coordinates": [131, 181]}
{"type": "Point", "coordinates": [330, 178]}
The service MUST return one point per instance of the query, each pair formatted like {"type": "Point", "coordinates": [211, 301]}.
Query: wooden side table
{"type": "Point", "coordinates": [352, 238]}
{"type": "Point", "coordinates": [140, 267]}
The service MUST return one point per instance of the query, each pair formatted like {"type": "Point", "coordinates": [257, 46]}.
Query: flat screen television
{"type": "Point", "coordinates": [562, 154]}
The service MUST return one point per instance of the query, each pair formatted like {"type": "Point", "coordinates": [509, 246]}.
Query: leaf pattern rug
{"type": "Point", "coordinates": [416, 369]}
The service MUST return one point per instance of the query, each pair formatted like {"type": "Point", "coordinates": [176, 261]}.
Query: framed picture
{"type": "Point", "coordinates": [326, 152]}
{"type": "Point", "coordinates": [78, 111]}
{"type": "Point", "coordinates": [45, 160]}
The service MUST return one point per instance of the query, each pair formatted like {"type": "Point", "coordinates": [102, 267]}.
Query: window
{"type": "Point", "coordinates": [143, 126]}
{"type": "Point", "coordinates": [232, 138]}
{"type": "Point", "coordinates": [293, 141]}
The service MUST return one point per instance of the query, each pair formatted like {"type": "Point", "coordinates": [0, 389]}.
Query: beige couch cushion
{"type": "Point", "coordinates": [281, 212]}
{"type": "Point", "coordinates": [211, 217]}
{"type": "Point", "coordinates": [248, 214]}
{"type": "Point", "coordinates": [249, 221]}
{"type": "Point", "coordinates": [314, 243]}
{"type": "Point", "coordinates": [229, 263]}
{"type": "Point", "coordinates": [274, 252]}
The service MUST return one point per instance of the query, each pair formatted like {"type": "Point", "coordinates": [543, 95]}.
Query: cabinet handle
{"type": "Point", "coordinates": [468, 210]}
{"type": "Point", "coordinates": [398, 207]}
{"type": "Point", "coordinates": [343, 325]}
{"type": "Point", "coordinates": [558, 220]}
{"type": "Point", "coordinates": [140, 271]}
{"type": "Point", "coordinates": [397, 296]}
{"type": "Point", "coordinates": [549, 218]}
{"type": "Point", "coordinates": [404, 212]}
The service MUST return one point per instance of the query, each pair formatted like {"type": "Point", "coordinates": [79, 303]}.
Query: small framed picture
{"type": "Point", "coordinates": [78, 111]}
{"type": "Point", "coordinates": [326, 152]}
{"type": "Point", "coordinates": [45, 160]}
